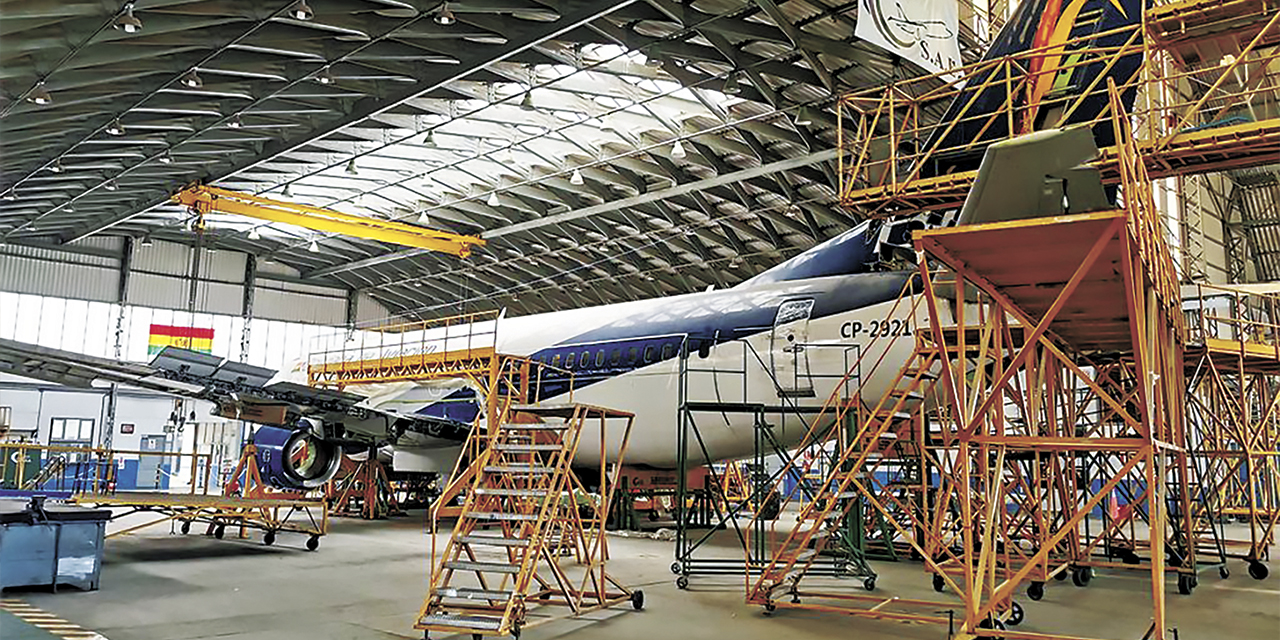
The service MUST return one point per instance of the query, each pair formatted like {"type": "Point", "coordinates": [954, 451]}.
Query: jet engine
{"type": "Point", "coordinates": [298, 459]}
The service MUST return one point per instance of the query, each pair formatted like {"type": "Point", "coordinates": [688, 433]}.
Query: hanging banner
{"type": "Point", "coordinates": [193, 338]}
{"type": "Point", "coordinates": [925, 32]}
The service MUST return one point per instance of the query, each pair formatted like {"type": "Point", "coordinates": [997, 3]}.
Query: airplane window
{"type": "Point", "coordinates": [615, 357]}
{"type": "Point", "coordinates": [667, 350]}
{"type": "Point", "coordinates": [555, 362]}
{"type": "Point", "coordinates": [568, 360]}
{"type": "Point", "coordinates": [633, 354]}
{"type": "Point", "coordinates": [600, 358]}
{"type": "Point", "coordinates": [648, 353]}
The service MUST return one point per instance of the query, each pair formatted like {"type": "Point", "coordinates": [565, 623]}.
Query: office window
{"type": "Point", "coordinates": [71, 429]}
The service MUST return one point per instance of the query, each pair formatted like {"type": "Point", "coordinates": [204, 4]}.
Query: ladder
{"type": "Point", "coordinates": [820, 520]}
{"type": "Point", "coordinates": [520, 528]}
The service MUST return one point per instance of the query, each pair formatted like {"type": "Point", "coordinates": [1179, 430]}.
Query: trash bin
{"type": "Point", "coordinates": [50, 544]}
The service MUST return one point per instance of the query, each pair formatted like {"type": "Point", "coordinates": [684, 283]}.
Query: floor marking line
{"type": "Point", "coordinates": [46, 621]}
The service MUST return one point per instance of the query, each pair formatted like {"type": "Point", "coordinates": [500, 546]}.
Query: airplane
{"type": "Point", "coordinates": [798, 322]}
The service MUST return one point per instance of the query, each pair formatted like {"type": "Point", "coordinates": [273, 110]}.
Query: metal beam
{"type": "Point", "coordinates": [586, 212]}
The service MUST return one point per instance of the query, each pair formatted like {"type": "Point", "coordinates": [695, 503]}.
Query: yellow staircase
{"type": "Point", "coordinates": [528, 535]}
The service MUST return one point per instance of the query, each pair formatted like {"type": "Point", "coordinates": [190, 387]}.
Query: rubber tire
{"type": "Point", "coordinates": [1061, 575]}
{"type": "Point", "coordinates": [682, 582]}
{"type": "Point", "coordinates": [1080, 576]}
{"type": "Point", "coordinates": [269, 538]}
{"type": "Point", "coordinates": [939, 584]}
{"type": "Point", "coordinates": [769, 608]}
{"type": "Point", "coordinates": [185, 528]}
{"type": "Point", "coordinates": [313, 543]}
{"type": "Point", "coordinates": [1035, 591]}
{"type": "Point", "coordinates": [219, 531]}
{"type": "Point", "coordinates": [637, 600]}
{"type": "Point", "coordinates": [1130, 557]}
{"type": "Point", "coordinates": [869, 583]}
{"type": "Point", "coordinates": [1258, 571]}
{"type": "Point", "coordinates": [1016, 615]}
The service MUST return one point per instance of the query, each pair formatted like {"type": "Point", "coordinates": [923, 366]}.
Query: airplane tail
{"type": "Point", "coordinates": [1065, 86]}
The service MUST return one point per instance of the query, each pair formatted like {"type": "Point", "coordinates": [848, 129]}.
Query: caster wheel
{"type": "Point", "coordinates": [637, 600]}
{"type": "Point", "coordinates": [219, 532]}
{"type": "Point", "coordinates": [313, 543]}
{"type": "Point", "coordinates": [795, 598]}
{"type": "Point", "coordinates": [682, 582]}
{"type": "Point", "coordinates": [938, 583]}
{"type": "Point", "coordinates": [477, 636]}
{"type": "Point", "coordinates": [1080, 576]}
{"type": "Point", "coordinates": [186, 527]}
{"type": "Point", "coordinates": [1016, 615]}
{"type": "Point", "coordinates": [269, 538]}
{"type": "Point", "coordinates": [769, 608]}
{"type": "Point", "coordinates": [1258, 571]}
{"type": "Point", "coordinates": [990, 623]}
{"type": "Point", "coordinates": [675, 568]}
{"type": "Point", "coordinates": [869, 584]}
{"type": "Point", "coordinates": [1129, 557]}
{"type": "Point", "coordinates": [1224, 572]}
{"type": "Point", "coordinates": [1035, 591]}
{"type": "Point", "coordinates": [1060, 576]}
{"type": "Point", "coordinates": [1186, 584]}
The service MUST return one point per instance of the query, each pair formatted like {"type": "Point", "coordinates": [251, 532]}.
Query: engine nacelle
{"type": "Point", "coordinates": [298, 459]}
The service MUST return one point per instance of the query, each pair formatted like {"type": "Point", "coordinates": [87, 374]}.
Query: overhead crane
{"type": "Point", "coordinates": [204, 199]}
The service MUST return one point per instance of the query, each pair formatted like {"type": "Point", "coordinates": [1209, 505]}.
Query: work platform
{"type": "Point", "coordinates": [1207, 101]}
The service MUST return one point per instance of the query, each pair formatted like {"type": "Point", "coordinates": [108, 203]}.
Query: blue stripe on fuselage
{"type": "Point", "coordinates": [707, 319]}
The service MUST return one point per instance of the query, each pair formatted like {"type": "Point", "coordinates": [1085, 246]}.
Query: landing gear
{"type": "Point", "coordinates": [313, 543]}
{"type": "Point", "coordinates": [269, 538]}
{"type": "Point", "coordinates": [938, 583]}
{"type": "Point", "coordinates": [637, 600]}
{"type": "Point", "coordinates": [1257, 570]}
{"type": "Point", "coordinates": [869, 583]}
{"type": "Point", "coordinates": [1035, 591]}
{"type": "Point", "coordinates": [1186, 584]}
{"type": "Point", "coordinates": [1080, 576]}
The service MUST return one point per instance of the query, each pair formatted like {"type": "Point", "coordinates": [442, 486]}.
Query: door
{"type": "Point", "coordinates": [149, 464]}
{"type": "Point", "coordinates": [787, 344]}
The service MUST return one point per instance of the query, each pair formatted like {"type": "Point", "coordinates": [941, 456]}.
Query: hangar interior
{"type": "Point", "coordinates": [423, 318]}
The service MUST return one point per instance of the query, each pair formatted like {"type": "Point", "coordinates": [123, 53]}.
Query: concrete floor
{"type": "Point", "coordinates": [368, 578]}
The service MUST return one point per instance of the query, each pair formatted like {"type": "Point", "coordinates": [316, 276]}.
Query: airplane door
{"type": "Point", "coordinates": [787, 349]}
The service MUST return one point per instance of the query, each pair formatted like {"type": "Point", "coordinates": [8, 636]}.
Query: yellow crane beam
{"type": "Point", "coordinates": [203, 200]}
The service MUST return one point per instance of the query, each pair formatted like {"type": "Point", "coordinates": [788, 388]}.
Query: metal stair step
{"type": "Point", "coordinates": [471, 593]}
{"type": "Point", "coordinates": [519, 447]}
{"type": "Point", "coordinates": [498, 515]}
{"type": "Point", "coordinates": [483, 567]}
{"type": "Point", "coordinates": [519, 468]}
{"type": "Point", "coordinates": [911, 394]}
{"type": "Point", "coordinates": [537, 426]}
{"type": "Point", "coordinates": [515, 493]}
{"type": "Point", "coordinates": [479, 623]}
{"type": "Point", "coordinates": [493, 541]}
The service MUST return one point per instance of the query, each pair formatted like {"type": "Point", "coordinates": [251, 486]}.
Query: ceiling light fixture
{"type": "Point", "coordinates": [803, 117]}
{"type": "Point", "coordinates": [147, 241]}
{"type": "Point", "coordinates": [191, 79]}
{"type": "Point", "coordinates": [493, 199]}
{"type": "Point", "coordinates": [731, 85]}
{"type": "Point", "coordinates": [254, 234]}
{"type": "Point", "coordinates": [10, 195]}
{"type": "Point", "coordinates": [444, 17]}
{"type": "Point", "coordinates": [126, 21]}
{"type": "Point", "coordinates": [116, 128]}
{"type": "Point", "coordinates": [526, 103]}
{"type": "Point", "coordinates": [652, 61]}
{"type": "Point", "coordinates": [111, 185]}
{"type": "Point", "coordinates": [430, 139]}
{"type": "Point", "coordinates": [422, 218]}
{"type": "Point", "coordinates": [576, 177]}
{"type": "Point", "coordinates": [677, 150]}
{"type": "Point", "coordinates": [166, 158]}
{"type": "Point", "coordinates": [301, 10]}
{"type": "Point", "coordinates": [288, 193]}
{"type": "Point", "coordinates": [235, 122]}
{"type": "Point", "coordinates": [314, 247]}
{"type": "Point", "coordinates": [56, 167]}
{"type": "Point", "coordinates": [324, 76]}
{"type": "Point", "coordinates": [352, 169]}
{"type": "Point", "coordinates": [40, 95]}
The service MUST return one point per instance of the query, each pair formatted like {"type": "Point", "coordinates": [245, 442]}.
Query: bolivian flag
{"type": "Point", "coordinates": [193, 338]}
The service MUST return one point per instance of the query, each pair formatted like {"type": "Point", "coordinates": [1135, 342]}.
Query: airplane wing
{"type": "Point", "coordinates": [239, 391]}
